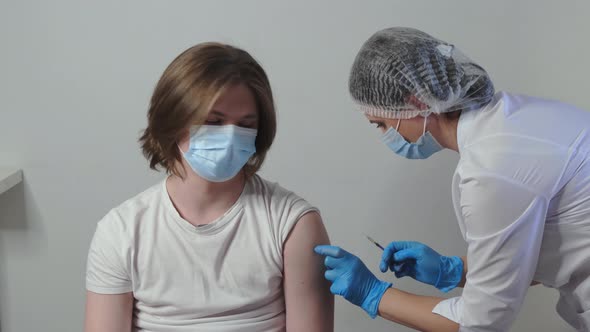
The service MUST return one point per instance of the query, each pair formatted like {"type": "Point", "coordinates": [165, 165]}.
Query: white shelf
{"type": "Point", "coordinates": [9, 177]}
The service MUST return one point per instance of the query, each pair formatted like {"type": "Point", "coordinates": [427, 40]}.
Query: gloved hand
{"type": "Point", "coordinates": [351, 279]}
{"type": "Point", "coordinates": [420, 262]}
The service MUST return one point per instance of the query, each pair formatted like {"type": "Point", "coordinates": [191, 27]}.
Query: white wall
{"type": "Point", "coordinates": [76, 76]}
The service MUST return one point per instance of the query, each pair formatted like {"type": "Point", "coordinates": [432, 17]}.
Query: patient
{"type": "Point", "coordinates": [213, 247]}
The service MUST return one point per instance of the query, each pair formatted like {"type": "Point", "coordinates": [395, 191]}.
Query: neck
{"type": "Point", "coordinates": [446, 133]}
{"type": "Point", "coordinates": [200, 201]}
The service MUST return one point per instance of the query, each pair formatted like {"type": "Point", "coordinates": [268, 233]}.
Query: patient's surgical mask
{"type": "Point", "coordinates": [218, 153]}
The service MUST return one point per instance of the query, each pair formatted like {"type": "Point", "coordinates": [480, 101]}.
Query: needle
{"type": "Point", "coordinates": [375, 242]}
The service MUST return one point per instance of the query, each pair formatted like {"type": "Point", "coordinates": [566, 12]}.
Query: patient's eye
{"type": "Point", "coordinates": [213, 122]}
{"type": "Point", "coordinates": [252, 124]}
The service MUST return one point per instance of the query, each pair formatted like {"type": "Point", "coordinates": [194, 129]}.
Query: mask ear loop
{"type": "Point", "coordinates": [424, 129]}
{"type": "Point", "coordinates": [397, 127]}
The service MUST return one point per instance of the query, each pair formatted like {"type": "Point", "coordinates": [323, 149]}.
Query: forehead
{"type": "Point", "coordinates": [235, 100]}
{"type": "Point", "coordinates": [377, 119]}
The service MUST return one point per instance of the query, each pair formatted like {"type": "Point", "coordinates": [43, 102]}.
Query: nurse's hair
{"type": "Point", "coordinates": [401, 73]}
{"type": "Point", "coordinates": [186, 92]}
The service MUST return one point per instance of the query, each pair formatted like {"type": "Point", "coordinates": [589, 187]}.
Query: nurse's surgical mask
{"type": "Point", "coordinates": [423, 148]}
{"type": "Point", "coordinates": [218, 153]}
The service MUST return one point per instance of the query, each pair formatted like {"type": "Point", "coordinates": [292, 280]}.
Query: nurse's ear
{"type": "Point", "coordinates": [413, 100]}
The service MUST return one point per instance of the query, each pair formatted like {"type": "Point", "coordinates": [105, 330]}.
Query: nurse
{"type": "Point", "coordinates": [521, 190]}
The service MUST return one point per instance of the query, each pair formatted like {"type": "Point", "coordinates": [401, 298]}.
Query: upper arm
{"type": "Point", "coordinates": [109, 297]}
{"type": "Point", "coordinates": [309, 303]}
{"type": "Point", "coordinates": [504, 223]}
{"type": "Point", "coordinates": [107, 266]}
{"type": "Point", "coordinates": [108, 312]}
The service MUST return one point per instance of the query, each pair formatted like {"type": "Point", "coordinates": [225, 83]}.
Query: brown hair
{"type": "Point", "coordinates": [188, 89]}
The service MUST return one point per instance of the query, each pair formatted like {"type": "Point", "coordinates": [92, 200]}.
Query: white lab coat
{"type": "Point", "coordinates": [521, 192]}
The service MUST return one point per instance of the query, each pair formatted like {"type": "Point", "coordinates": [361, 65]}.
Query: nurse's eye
{"type": "Point", "coordinates": [379, 125]}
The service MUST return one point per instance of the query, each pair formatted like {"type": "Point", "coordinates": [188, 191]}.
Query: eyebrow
{"type": "Point", "coordinates": [251, 116]}
{"type": "Point", "coordinates": [247, 117]}
{"type": "Point", "coordinates": [217, 113]}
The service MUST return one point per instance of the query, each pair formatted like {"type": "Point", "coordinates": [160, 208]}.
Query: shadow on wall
{"type": "Point", "coordinates": [22, 235]}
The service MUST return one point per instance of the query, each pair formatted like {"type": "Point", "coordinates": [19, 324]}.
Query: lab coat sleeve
{"type": "Point", "coordinates": [503, 223]}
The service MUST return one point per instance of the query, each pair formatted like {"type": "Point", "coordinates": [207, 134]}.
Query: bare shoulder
{"type": "Point", "coordinates": [308, 232]}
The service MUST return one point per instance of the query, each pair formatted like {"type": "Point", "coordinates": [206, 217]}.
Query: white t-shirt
{"type": "Point", "coordinates": [224, 276]}
{"type": "Point", "coordinates": [521, 193]}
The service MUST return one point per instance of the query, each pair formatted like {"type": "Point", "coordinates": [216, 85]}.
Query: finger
{"type": "Point", "coordinates": [336, 289]}
{"type": "Point", "coordinates": [406, 254]}
{"type": "Point", "coordinates": [327, 250]}
{"type": "Point", "coordinates": [386, 258]}
{"type": "Point", "coordinates": [331, 262]}
{"type": "Point", "coordinates": [332, 275]}
{"type": "Point", "coordinates": [396, 267]}
{"type": "Point", "coordinates": [393, 248]}
{"type": "Point", "coordinates": [405, 271]}
{"type": "Point", "coordinates": [400, 245]}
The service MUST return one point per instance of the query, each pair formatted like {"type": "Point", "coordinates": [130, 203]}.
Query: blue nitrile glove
{"type": "Point", "coordinates": [420, 262]}
{"type": "Point", "coordinates": [351, 279]}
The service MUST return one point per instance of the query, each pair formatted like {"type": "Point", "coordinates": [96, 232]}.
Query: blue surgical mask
{"type": "Point", "coordinates": [218, 153]}
{"type": "Point", "coordinates": [423, 148]}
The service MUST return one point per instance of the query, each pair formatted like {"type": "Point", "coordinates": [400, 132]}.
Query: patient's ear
{"type": "Point", "coordinates": [184, 139]}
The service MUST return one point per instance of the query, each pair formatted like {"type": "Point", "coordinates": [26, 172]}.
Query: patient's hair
{"type": "Point", "coordinates": [186, 92]}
